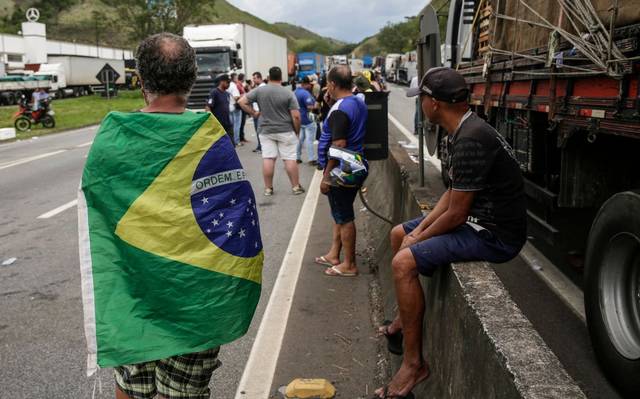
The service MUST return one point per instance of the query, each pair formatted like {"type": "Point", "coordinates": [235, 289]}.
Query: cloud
{"type": "Point", "coordinates": [349, 21]}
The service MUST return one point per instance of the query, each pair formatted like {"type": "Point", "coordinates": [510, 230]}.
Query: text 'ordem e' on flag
{"type": "Point", "coordinates": [170, 248]}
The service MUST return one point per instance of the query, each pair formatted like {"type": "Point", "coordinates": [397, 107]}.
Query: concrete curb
{"type": "Point", "coordinates": [477, 341]}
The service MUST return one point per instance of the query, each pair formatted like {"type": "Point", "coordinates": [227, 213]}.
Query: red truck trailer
{"type": "Point", "coordinates": [560, 80]}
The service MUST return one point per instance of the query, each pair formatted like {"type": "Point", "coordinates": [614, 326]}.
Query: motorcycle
{"type": "Point", "coordinates": [25, 116]}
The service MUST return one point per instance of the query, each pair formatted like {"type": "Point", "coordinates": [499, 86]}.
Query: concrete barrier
{"type": "Point", "coordinates": [477, 341]}
{"type": "Point", "coordinates": [7, 133]}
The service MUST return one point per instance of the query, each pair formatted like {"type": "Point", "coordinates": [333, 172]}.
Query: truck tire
{"type": "Point", "coordinates": [612, 290]}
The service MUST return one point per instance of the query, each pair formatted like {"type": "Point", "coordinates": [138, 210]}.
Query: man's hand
{"type": "Point", "coordinates": [325, 186]}
{"type": "Point", "coordinates": [255, 114]}
{"type": "Point", "coordinates": [408, 241]}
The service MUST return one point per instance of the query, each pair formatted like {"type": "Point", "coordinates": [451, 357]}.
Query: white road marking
{"type": "Point", "coordinates": [564, 288]}
{"type": "Point", "coordinates": [58, 210]}
{"type": "Point", "coordinates": [84, 144]}
{"type": "Point", "coordinates": [29, 159]}
{"type": "Point", "coordinates": [258, 373]}
{"type": "Point", "coordinates": [433, 160]}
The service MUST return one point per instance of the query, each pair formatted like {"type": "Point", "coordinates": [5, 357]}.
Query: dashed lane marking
{"type": "Point", "coordinates": [30, 159]}
{"type": "Point", "coordinates": [58, 210]}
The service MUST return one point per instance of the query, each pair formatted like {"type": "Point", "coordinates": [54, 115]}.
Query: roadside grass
{"type": "Point", "coordinates": [73, 113]}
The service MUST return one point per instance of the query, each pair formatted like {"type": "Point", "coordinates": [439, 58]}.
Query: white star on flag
{"type": "Point", "coordinates": [208, 230]}
{"type": "Point", "coordinates": [205, 200]}
{"type": "Point", "coordinates": [256, 244]}
{"type": "Point", "coordinates": [215, 222]}
{"type": "Point", "coordinates": [233, 201]}
{"type": "Point", "coordinates": [229, 233]}
{"type": "Point", "coordinates": [221, 215]}
{"type": "Point", "coordinates": [241, 233]}
{"type": "Point", "coordinates": [230, 224]}
{"type": "Point", "coordinates": [249, 200]}
{"type": "Point", "coordinates": [253, 222]}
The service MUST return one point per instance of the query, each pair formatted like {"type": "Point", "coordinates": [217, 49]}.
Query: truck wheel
{"type": "Point", "coordinates": [22, 124]}
{"type": "Point", "coordinates": [48, 122]}
{"type": "Point", "coordinates": [612, 290]}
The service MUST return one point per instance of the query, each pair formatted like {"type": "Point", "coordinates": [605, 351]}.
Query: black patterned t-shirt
{"type": "Point", "coordinates": [481, 160]}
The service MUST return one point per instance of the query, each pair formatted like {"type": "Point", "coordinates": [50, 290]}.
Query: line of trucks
{"type": "Point", "coordinates": [62, 76]}
{"type": "Point", "coordinates": [562, 85]}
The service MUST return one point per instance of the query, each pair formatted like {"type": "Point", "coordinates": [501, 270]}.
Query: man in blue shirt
{"type": "Point", "coordinates": [308, 127]}
{"type": "Point", "coordinates": [218, 103]}
{"type": "Point", "coordinates": [344, 127]}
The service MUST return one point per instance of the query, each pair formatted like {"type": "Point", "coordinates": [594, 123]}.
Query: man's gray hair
{"type": "Point", "coordinates": [166, 64]}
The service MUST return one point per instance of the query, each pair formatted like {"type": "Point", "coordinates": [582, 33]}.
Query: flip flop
{"type": "Point", "coordinates": [394, 341]}
{"type": "Point", "coordinates": [335, 272]}
{"type": "Point", "coordinates": [386, 395]}
{"type": "Point", "coordinates": [321, 260]}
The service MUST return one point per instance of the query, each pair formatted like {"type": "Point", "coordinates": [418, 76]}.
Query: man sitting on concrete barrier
{"type": "Point", "coordinates": [482, 216]}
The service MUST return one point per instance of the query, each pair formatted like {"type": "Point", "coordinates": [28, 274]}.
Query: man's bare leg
{"type": "Point", "coordinates": [333, 256]}
{"type": "Point", "coordinates": [396, 236]}
{"type": "Point", "coordinates": [348, 240]}
{"type": "Point", "coordinates": [268, 165]}
{"type": "Point", "coordinates": [292, 171]}
{"type": "Point", "coordinates": [120, 394]}
{"type": "Point", "coordinates": [411, 308]}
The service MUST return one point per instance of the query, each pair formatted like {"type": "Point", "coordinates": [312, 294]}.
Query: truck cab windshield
{"type": "Point", "coordinates": [209, 63]}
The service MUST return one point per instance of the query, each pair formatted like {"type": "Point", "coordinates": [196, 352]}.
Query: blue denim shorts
{"type": "Point", "coordinates": [341, 202]}
{"type": "Point", "coordinates": [461, 245]}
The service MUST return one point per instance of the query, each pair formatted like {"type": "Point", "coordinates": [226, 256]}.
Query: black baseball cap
{"type": "Point", "coordinates": [443, 84]}
{"type": "Point", "coordinates": [305, 80]}
{"type": "Point", "coordinates": [223, 76]}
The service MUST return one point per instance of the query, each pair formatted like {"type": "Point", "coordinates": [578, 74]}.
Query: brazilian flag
{"type": "Point", "coordinates": [170, 249]}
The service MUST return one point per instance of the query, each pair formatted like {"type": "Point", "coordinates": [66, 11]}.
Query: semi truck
{"type": "Point", "coordinates": [391, 64]}
{"type": "Point", "coordinates": [310, 64]}
{"type": "Point", "coordinates": [561, 85]}
{"type": "Point", "coordinates": [77, 76]}
{"type": "Point", "coordinates": [408, 67]}
{"type": "Point", "coordinates": [367, 61]}
{"type": "Point", "coordinates": [228, 48]}
{"type": "Point", "coordinates": [12, 87]}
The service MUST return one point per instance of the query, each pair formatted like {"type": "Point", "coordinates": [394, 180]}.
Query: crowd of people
{"type": "Point", "coordinates": [481, 216]}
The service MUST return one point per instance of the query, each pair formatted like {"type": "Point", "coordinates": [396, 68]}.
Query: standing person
{"type": "Point", "coordinates": [279, 128]}
{"type": "Point", "coordinates": [412, 86]}
{"type": "Point", "coordinates": [243, 89]}
{"type": "Point", "coordinates": [344, 127]}
{"type": "Point", "coordinates": [140, 239]}
{"type": "Point", "coordinates": [218, 103]}
{"type": "Point", "coordinates": [234, 110]}
{"type": "Point", "coordinates": [482, 216]}
{"type": "Point", "coordinates": [256, 79]}
{"type": "Point", "coordinates": [307, 119]}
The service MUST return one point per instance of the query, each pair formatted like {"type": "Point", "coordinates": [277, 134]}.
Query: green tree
{"type": "Point", "coordinates": [399, 37]}
{"type": "Point", "coordinates": [146, 17]}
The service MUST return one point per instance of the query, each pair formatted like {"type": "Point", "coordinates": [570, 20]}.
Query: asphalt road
{"type": "Point", "coordinates": [42, 346]}
{"type": "Point", "coordinates": [561, 329]}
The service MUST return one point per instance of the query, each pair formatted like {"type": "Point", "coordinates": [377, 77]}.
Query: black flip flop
{"type": "Point", "coordinates": [394, 341]}
{"type": "Point", "coordinates": [410, 395]}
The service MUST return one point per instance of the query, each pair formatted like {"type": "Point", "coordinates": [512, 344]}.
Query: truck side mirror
{"type": "Point", "coordinates": [238, 63]}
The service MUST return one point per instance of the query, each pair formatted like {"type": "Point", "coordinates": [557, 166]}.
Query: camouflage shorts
{"type": "Point", "coordinates": [178, 377]}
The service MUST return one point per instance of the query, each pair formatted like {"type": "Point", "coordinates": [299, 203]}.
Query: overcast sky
{"type": "Point", "coordinates": [350, 21]}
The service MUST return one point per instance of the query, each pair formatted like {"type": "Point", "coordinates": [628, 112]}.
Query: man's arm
{"type": "Point", "coordinates": [440, 208]}
{"type": "Point", "coordinates": [455, 215]}
{"type": "Point", "coordinates": [243, 102]}
{"type": "Point", "coordinates": [295, 116]}
{"type": "Point", "coordinates": [331, 163]}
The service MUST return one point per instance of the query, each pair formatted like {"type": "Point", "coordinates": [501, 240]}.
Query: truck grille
{"type": "Point", "coordinates": [200, 93]}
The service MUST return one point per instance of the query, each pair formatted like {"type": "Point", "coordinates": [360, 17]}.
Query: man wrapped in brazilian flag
{"type": "Point", "coordinates": [170, 249]}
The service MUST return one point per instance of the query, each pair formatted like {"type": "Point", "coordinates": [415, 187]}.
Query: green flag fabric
{"type": "Point", "coordinates": [170, 248]}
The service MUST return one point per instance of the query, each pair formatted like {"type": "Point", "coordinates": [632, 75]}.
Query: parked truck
{"type": "Point", "coordinates": [231, 48]}
{"type": "Point", "coordinates": [77, 76]}
{"type": "Point", "coordinates": [12, 87]}
{"type": "Point", "coordinates": [408, 68]}
{"type": "Point", "coordinates": [310, 64]}
{"type": "Point", "coordinates": [562, 86]}
{"type": "Point", "coordinates": [391, 64]}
